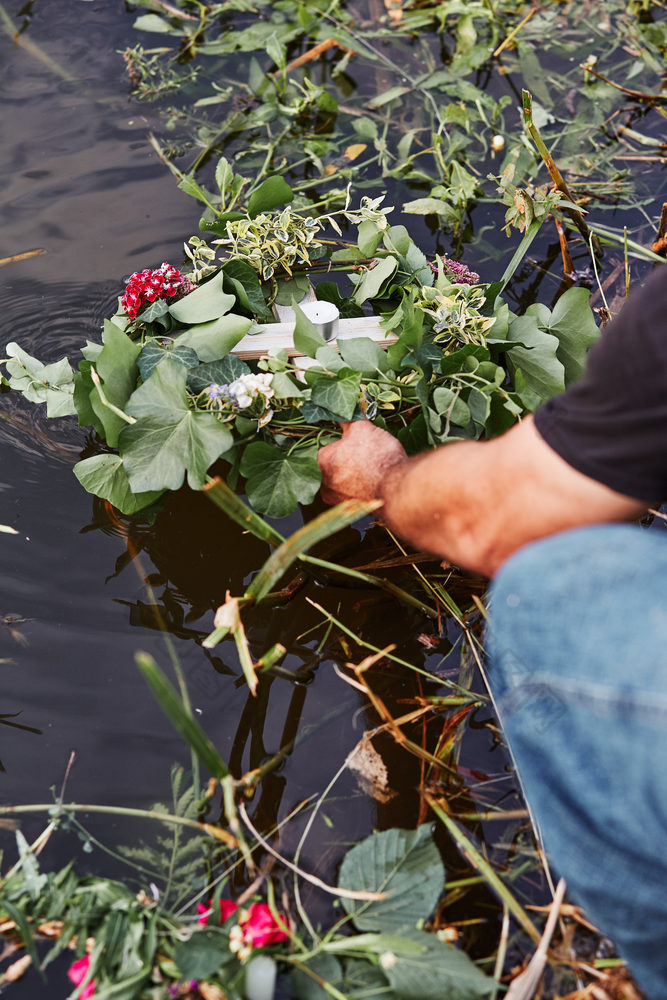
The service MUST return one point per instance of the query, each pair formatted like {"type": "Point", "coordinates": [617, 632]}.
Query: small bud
{"type": "Point", "coordinates": [498, 143]}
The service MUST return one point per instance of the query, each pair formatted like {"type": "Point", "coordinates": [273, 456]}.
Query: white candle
{"type": "Point", "coordinates": [324, 316]}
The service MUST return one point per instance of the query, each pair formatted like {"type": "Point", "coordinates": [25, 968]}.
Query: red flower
{"type": "Point", "coordinates": [147, 286]}
{"type": "Point", "coordinates": [77, 973]}
{"type": "Point", "coordinates": [227, 907]}
{"type": "Point", "coordinates": [260, 928]}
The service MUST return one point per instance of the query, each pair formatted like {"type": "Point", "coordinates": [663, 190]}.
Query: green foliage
{"type": "Point", "coordinates": [404, 864]}
{"type": "Point", "coordinates": [51, 384]}
{"type": "Point", "coordinates": [168, 392]}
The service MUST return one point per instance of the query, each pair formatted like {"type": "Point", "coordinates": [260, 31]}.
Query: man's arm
{"type": "Point", "coordinates": [472, 502]}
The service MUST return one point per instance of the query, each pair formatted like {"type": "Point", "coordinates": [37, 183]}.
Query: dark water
{"type": "Point", "coordinates": [80, 180]}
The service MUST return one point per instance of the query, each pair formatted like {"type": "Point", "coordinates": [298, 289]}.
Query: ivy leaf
{"type": "Point", "coordinates": [535, 353]}
{"type": "Point", "coordinates": [169, 439]}
{"type": "Point", "coordinates": [116, 366]}
{"type": "Point", "coordinates": [51, 384]}
{"type": "Point", "coordinates": [83, 392]}
{"type": "Point", "coordinates": [271, 193]}
{"type": "Point", "coordinates": [277, 481]}
{"type": "Point", "coordinates": [243, 278]}
{"type": "Point", "coordinates": [338, 395]}
{"type": "Point", "coordinates": [105, 477]}
{"type": "Point", "coordinates": [154, 311]}
{"type": "Point", "coordinates": [373, 280]}
{"type": "Point", "coordinates": [404, 864]}
{"type": "Point", "coordinates": [154, 352]}
{"type": "Point", "coordinates": [205, 303]}
{"type": "Point", "coordinates": [572, 322]}
{"type": "Point", "coordinates": [363, 354]}
{"type": "Point", "coordinates": [220, 372]}
{"type": "Point", "coordinates": [306, 338]}
{"type": "Point", "coordinates": [213, 340]}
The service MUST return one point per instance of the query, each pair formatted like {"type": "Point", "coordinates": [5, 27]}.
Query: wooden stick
{"type": "Point", "coordinates": [21, 256]}
{"type": "Point", "coordinates": [313, 53]}
{"type": "Point", "coordinates": [568, 266]}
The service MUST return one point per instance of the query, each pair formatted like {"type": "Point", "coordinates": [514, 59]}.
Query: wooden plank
{"type": "Point", "coordinates": [275, 336]}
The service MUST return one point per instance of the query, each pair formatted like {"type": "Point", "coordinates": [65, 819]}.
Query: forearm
{"type": "Point", "coordinates": [475, 503]}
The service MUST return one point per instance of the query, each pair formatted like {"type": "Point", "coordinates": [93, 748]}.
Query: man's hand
{"type": "Point", "coordinates": [356, 466]}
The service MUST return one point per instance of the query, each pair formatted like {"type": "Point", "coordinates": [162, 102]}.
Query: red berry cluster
{"type": "Point", "coordinates": [147, 286]}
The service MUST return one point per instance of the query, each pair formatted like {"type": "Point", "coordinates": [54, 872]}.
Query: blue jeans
{"type": "Point", "coordinates": [578, 667]}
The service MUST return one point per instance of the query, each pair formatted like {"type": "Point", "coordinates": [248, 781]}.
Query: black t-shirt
{"type": "Point", "coordinates": [612, 424]}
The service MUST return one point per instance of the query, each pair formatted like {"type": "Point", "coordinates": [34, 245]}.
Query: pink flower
{"type": "Point", "coordinates": [260, 927]}
{"type": "Point", "coordinates": [77, 973]}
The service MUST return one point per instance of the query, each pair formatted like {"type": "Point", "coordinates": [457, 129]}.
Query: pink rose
{"type": "Point", "coordinates": [260, 928]}
{"type": "Point", "coordinates": [77, 972]}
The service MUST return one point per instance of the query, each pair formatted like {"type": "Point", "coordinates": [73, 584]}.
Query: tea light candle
{"type": "Point", "coordinates": [324, 316]}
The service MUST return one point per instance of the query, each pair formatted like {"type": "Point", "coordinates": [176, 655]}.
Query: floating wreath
{"type": "Point", "coordinates": [167, 394]}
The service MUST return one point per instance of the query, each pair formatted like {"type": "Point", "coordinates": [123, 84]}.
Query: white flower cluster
{"type": "Point", "coordinates": [246, 388]}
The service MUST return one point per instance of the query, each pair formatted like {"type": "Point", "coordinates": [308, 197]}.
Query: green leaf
{"type": "Point", "coordinates": [321, 527]}
{"type": "Point", "coordinates": [83, 391]}
{"type": "Point", "coordinates": [337, 394]}
{"type": "Point", "coordinates": [205, 303]}
{"type": "Point", "coordinates": [220, 372]}
{"type": "Point", "coordinates": [278, 481]}
{"type": "Point", "coordinates": [152, 22]}
{"type": "Point", "coordinates": [16, 914]}
{"type": "Point", "coordinates": [117, 368]}
{"type": "Point", "coordinates": [448, 402]}
{"type": "Point", "coordinates": [369, 238]}
{"type": "Point", "coordinates": [404, 864]}
{"type": "Point", "coordinates": [271, 193]}
{"type": "Point", "coordinates": [573, 323]}
{"type": "Point", "coordinates": [214, 340]}
{"type": "Point", "coordinates": [363, 355]}
{"type": "Point", "coordinates": [51, 384]}
{"type": "Point", "coordinates": [105, 477]}
{"type": "Point", "coordinates": [288, 289]}
{"type": "Point", "coordinates": [435, 971]}
{"type": "Point", "coordinates": [153, 311]}
{"type": "Point", "coordinates": [203, 953]}
{"type": "Point", "coordinates": [325, 968]}
{"type": "Point", "coordinates": [184, 723]}
{"type": "Point", "coordinates": [535, 353]}
{"type": "Point", "coordinates": [169, 439]}
{"type": "Point", "coordinates": [373, 280]}
{"type": "Point", "coordinates": [427, 206]}
{"type": "Point", "coordinates": [154, 352]}
{"type": "Point", "coordinates": [245, 282]}
{"type": "Point", "coordinates": [307, 340]}
{"type": "Point", "coordinates": [285, 387]}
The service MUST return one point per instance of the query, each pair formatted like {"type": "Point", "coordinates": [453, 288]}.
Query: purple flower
{"type": "Point", "coordinates": [457, 273]}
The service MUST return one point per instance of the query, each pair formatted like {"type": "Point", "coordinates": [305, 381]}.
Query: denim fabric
{"type": "Point", "coordinates": [578, 667]}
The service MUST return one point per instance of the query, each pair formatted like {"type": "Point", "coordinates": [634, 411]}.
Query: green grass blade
{"type": "Point", "coordinates": [492, 879]}
{"type": "Point", "coordinates": [224, 498]}
{"type": "Point", "coordinates": [172, 706]}
{"type": "Point", "coordinates": [319, 528]}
